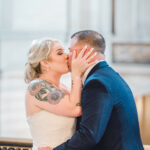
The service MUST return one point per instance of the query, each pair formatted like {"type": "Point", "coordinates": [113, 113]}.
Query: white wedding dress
{"type": "Point", "coordinates": [48, 129]}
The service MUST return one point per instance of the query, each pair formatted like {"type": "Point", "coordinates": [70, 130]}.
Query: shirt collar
{"type": "Point", "coordinates": [88, 71]}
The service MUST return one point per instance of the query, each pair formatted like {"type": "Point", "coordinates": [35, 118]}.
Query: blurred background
{"type": "Point", "coordinates": [125, 24]}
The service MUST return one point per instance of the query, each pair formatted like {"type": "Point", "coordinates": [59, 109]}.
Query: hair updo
{"type": "Point", "coordinates": [39, 50]}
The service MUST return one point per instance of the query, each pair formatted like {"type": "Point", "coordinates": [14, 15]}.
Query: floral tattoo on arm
{"type": "Point", "coordinates": [45, 91]}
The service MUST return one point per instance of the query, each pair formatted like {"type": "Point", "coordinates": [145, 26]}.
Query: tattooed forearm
{"type": "Point", "coordinates": [45, 91]}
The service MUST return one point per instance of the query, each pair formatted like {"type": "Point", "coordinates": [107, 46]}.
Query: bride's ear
{"type": "Point", "coordinates": [44, 64]}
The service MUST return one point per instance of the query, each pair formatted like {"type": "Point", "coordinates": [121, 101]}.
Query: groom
{"type": "Point", "coordinates": [109, 119]}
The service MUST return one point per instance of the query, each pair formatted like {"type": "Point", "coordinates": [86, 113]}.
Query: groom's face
{"type": "Point", "coordinates": [77, 46]}
{"type": "Point", "coordinates": [74, 46]}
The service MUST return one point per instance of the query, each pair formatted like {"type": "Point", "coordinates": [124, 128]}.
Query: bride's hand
{"type": "Point", "coordinates": [82, 61]}
{"type": "Point", "coordinates": [45, 148]}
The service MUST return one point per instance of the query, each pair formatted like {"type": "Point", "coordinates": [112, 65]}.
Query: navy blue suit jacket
{"type": "Point", "coordinates": [109, 120]}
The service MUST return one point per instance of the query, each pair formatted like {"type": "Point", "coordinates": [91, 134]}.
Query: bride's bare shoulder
{"type": "Point", "coordinates": [35, 85]}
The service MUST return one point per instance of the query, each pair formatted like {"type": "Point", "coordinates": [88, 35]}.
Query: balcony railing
{"type": "Point", "coordinates": [15, 144]}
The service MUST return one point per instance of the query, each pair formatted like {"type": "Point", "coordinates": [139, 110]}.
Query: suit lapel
{"type": "Point", "coordinates": [96, 67]}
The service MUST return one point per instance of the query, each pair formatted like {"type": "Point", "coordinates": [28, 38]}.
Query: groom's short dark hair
{"type": "Point", "coordinates": [92, 38]}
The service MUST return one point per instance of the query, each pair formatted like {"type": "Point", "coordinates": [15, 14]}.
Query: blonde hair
{"type": "Point", "coordinates": [39, 50]}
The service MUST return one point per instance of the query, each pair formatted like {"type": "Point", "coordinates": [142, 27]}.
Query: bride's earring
{"type": "Point", "coordinates": [47, 69]}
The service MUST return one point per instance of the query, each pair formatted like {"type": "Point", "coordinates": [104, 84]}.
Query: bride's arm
{"type": "Point", "coordinates": [48, 97]}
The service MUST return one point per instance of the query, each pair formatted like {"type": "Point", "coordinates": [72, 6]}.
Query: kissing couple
{"type": "Point", "coordinates": [98, 113]}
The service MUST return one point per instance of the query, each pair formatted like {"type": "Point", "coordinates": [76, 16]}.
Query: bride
{"type": "Point", "coordinates": [50, 108]}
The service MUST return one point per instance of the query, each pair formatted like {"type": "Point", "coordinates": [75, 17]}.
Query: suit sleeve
{"type": "Point", "coordinates": [97, 107]}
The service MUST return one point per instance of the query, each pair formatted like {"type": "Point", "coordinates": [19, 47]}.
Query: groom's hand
{"type": "Point", "coordinates": [45, 148]}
